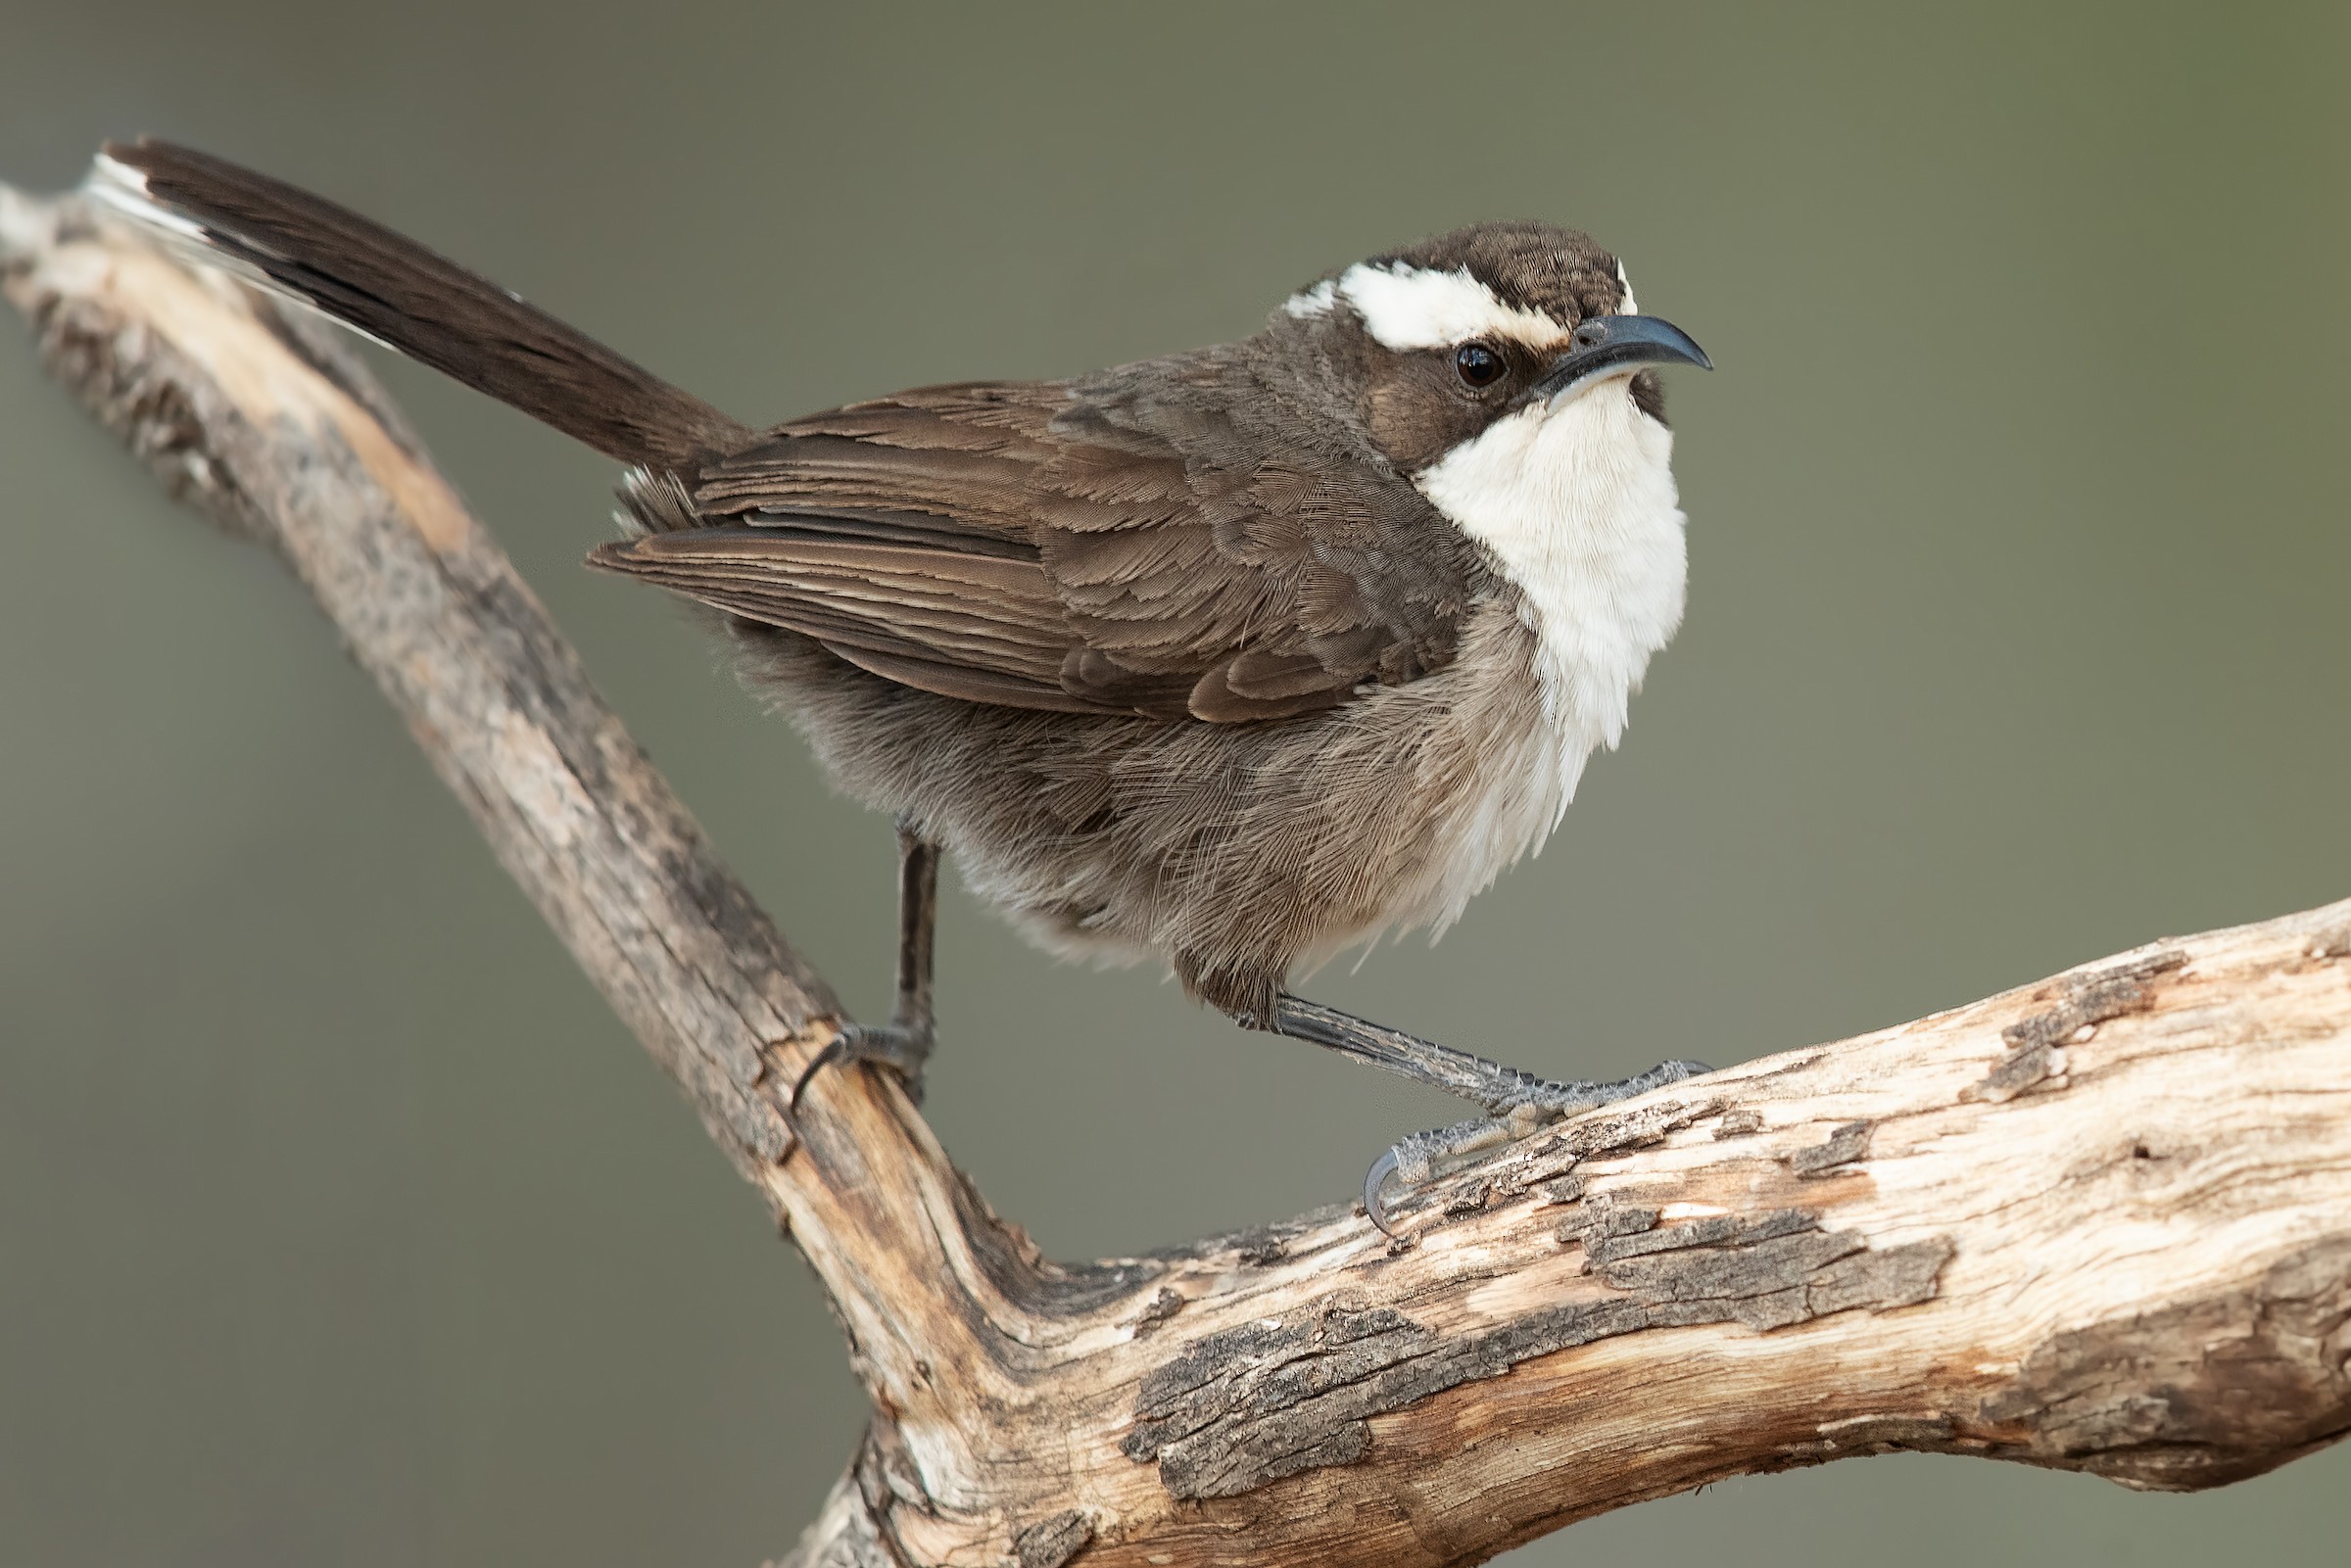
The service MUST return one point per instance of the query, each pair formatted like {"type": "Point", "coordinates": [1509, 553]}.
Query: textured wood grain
{"type": "Point", "coordinates": [2102, 1222]}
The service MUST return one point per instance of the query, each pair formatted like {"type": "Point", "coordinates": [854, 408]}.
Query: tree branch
{"type": "Point", "coordinates": [2101, 1223]}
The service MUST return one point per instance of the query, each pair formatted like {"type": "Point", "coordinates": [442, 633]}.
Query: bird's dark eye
{"type": "Point", "coordinates": [1479, 365]}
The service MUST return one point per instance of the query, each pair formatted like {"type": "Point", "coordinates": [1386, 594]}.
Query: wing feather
{"type": "Point", "coordinates": [1094, 549]}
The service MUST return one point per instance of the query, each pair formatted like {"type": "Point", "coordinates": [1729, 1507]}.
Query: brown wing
{"type": "Point", "coordinates": [1122, 547]}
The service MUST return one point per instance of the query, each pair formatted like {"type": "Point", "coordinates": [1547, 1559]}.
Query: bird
{"type": "Point", "coordinates": [1233, 658]}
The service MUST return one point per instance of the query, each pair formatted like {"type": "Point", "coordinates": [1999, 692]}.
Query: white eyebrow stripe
{"type": "Point", "coordinates": [1413, 308]}
{"type": "Point", "coordinates": [1625, 296]}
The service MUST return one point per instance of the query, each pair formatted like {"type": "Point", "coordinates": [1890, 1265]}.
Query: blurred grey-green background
{"type": "Point", "coordinates": [339, 1224]}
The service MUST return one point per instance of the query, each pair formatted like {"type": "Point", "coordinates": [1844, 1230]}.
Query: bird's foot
{"type": "Point", "coordinates": [1531, 1104]}
{"type": "Point", "coordinates": [900, 1048]}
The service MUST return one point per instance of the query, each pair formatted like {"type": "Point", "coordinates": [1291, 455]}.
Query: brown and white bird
{"type": "Point", "coordinates": [1232, 658]}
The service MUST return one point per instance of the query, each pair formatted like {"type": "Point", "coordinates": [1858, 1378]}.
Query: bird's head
{"type": "Point", "coordinates": [1438, 343]}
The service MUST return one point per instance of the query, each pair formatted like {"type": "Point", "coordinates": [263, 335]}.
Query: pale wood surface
{"type": "Point", "coordinates": [2102, 1222]}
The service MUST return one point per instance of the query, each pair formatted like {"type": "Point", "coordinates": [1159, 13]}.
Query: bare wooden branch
{"type": "Point", "coordinates": [2101, 1223]}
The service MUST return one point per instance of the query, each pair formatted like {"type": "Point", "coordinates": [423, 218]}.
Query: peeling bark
{"type": "Point", "coordinates": [1053, 1542]}
{"type": "Point", "coordinates": [2198, 1392]}
{"type": "Point", "coordinates": [1240, 1409]}
{"type": "Point", "coordinates": [2102, 1223]}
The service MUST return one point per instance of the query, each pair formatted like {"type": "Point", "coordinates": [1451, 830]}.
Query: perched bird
{"type": "Point", "coordinates": [1232, 658]}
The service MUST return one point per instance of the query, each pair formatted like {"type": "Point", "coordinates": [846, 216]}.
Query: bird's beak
{"type": "Point", "coordinates": [1608, 344]}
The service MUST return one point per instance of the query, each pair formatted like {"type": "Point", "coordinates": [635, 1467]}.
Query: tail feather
{"type": "Point", "coordinates": [389, 288]}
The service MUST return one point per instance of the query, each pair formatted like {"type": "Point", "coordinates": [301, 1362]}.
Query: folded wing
{"type": "Point", "coordinates": [1037, 546]}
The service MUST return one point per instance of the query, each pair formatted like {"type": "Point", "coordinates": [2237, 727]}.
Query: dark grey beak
{"type": "Point", "coordinates": [1607, 343]}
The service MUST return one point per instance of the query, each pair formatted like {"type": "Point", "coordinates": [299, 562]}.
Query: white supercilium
{"type": "Point", "coordinates": [1413, 308]}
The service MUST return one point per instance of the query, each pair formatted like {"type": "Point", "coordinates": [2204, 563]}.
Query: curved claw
{"type": "Point", "coordinates": [1373, 1179]}
{"type": "Point", "coordinates": [1529, 1104]}
{"type": "Point", "coordinates": [835, 1052]}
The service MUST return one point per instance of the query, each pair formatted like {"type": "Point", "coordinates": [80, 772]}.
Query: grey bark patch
{"type": "Point", "coordinates": [1164, 1304]}
{"type": "Point", "coordinates": [1880, 1278]}
{"type": "Point", "coordinates": [1761, 1285]}
{"type": "Point", "coordinates": [1611, 1132]}
{"type": "Point", "coordinates": [1738, 1124]}
{"type": "Point", "coordinates": [2017, 1071]}
{"type": "Point", "coordinates": [1053, 1542]}
{"type": "Point", "coordinates": [1890, 1431]}
{"type": "Point", "coordinates": [1599, 1219]}
{"type": "Point", "coordinates": [2081, 1001]}
{"type": "Point", "coordinates": [1847, 1145]}
{"type": "Point", "coordinates": [1932, 1433]}
{"type": "Point", "coordinates": [1627, 1237]}
{"type": "Point", "coordinates": [1259, 1248]}
{"type": "Point", "coordinates": [2194, 1394]}
{"type": "Point", "coordinates": [1245, 1406]}
{"type": "Point", "coordinates": [1471, 1200]}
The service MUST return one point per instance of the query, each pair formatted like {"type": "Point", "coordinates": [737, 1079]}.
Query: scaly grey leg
{"type": "Point", "coordinates": [1516, 1103]}
{"type": "Point", "coordinates": [903, 1044]}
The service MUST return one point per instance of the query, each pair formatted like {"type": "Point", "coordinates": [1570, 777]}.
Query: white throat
{"type": "Point", "coordinates": [1575, 502]}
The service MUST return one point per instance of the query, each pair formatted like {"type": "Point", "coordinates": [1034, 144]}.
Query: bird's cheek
{"type": "Point", "coordinates": [1410, 427]}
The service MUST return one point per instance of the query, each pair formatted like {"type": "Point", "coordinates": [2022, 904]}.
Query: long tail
{"type": "Point", "coordinates": [392, 289]}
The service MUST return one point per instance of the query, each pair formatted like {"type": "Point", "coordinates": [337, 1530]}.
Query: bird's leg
{"type": "Point", "coordinates": [1515, 1103]}
{"type": "Point", "coordinates": [903, 1044]}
